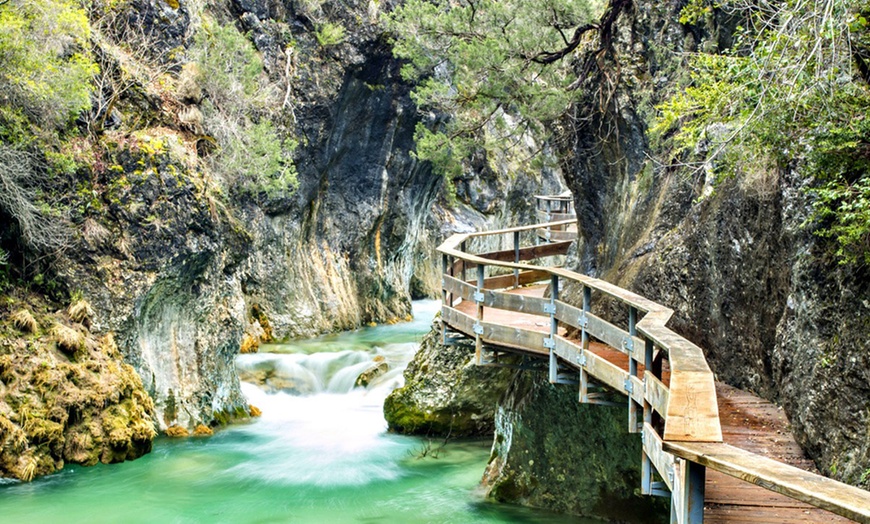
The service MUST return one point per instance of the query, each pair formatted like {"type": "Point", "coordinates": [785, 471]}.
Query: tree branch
{"type": "Point", "coordinates": [548, 57]}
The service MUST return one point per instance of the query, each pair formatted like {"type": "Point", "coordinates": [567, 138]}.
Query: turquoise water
{"type": "Point", "coordinates": [319, 457]}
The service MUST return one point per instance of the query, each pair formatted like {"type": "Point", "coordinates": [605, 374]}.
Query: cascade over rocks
{"type": "Point", "coordinates": [186, 274]}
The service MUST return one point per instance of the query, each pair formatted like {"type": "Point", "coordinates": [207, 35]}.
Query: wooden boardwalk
{"type": "Point", "coordinates": [748, 422]}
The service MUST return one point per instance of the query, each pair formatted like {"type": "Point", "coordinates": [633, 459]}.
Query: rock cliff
{"type": "Point", "coordinates": [187, 257]}
{"type": "Point", "coordinates": [748, 281]}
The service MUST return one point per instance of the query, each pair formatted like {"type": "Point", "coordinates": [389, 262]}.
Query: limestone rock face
{"type": "Point", "coordinates": [747, 280]}
{"type": "Point", "coordinates": [552, 452]}
{"type": "Point", "coordinates": [445, 393]}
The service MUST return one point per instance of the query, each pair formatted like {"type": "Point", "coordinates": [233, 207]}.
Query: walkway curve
{"type": "Point", "coordinates": [678, 421]}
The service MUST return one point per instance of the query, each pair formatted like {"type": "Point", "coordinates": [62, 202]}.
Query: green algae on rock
{"type": "Point", "coordinates": [537, 459]}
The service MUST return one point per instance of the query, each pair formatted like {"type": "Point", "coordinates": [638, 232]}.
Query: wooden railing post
{"type": "Point", "coordinates": [464, 248]}
{"type": "Point", "coordinates": [444, 297]}
{"type": "Point", "coordinates": [550, 343]}
{"type": "Point", "coordinates": [451, 261]}
{"type": "Point", "coordinates": [584, 344]}
{"type": "Point", "coordinates": [632, 369]}
{"type": "Point", "coordinates": [478, 327]}
{"type": "Point", "coordinates": [687, 500]}
{"type": "Point", "coordinates": [549, 219]}
{"type": "Point", "coordinates": [646, 466]}
{"type": "Point", "coordinates": [516, 258]}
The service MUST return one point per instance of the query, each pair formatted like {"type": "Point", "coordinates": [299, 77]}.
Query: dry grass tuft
{"type": "Point", "coordinates": [94, 233]}
{"type": "Point", "coordinates": [81, 312]}
{"type": "Point", "coordinates": [28, 469]}
{"type": "Point", "coordinates": [68, 339]}
{"type": "Point", "coordinates": [255, 411]}
{"type": "Point", "coordinates": [202, 431]}
{"type": "Point", "coordinates": [177, 432]}
{"type": "Point", "coordinates": [24, 321]}
{"type": "Point", "coordinates": [249, 344]}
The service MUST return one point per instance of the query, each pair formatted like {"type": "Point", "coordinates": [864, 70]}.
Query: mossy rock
{"type": "Point", "coordinates": [72, 398]}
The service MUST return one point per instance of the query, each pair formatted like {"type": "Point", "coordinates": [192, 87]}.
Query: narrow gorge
{"type": "Point", "coordinates": [198, 200]}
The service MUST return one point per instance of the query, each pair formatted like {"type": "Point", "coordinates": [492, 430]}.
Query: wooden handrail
{"type": "Point", "coordinates": [689, 407]}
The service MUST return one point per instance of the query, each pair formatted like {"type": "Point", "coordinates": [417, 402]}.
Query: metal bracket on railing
{"type": "Point", "coordinates": [478, 297]}
{"type": "Point", "coordinates": [549, 343]}
{"type": "Point", "coordinates": [581, 360]}
{"type": "Point", "coordinates": [478, 329]}
{"type": "Point", "coordinates": [628, 344]}
{"type": "Point", "coordinates": [550, 309]}
{"type": "Point", "coordinates": [628, 385]}
{"type": "Point", "coordinates": [583, 321]}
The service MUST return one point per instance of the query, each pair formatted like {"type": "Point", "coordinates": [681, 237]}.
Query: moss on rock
{"type": "Point", "coordinates": [552, 452]}
{"type": "Point", "coordinates": [445, 393]}
{"type": "Point", "coordinates": [65, 396]}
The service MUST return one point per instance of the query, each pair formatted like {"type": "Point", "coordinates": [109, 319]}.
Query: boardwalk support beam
{"type": "Point", "coordinates": [516, 258]}
{"type": "Point", "coordinates": [687, 499]}
{"type": "Point", "coordinates": [646, 466]}
{"type": "Point", "coordinates": [478, 341]}
{"type": "Point", "coordinates": [584, 345]}
{"type": "Point", "coordinates": [554, 329]}
{"type": "Point", "coordinates": [633, 408]}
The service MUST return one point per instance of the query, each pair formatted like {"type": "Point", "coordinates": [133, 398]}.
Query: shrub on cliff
{"type": "Point", "coordinates": [252, 157]}
{"type": "Point", "coordinates": [46, 71]}
{"type": "Point", "coordinates": [793, 87]}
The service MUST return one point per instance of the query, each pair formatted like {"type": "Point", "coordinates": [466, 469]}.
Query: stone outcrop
{"type": "Point", "coordinates": [552, 452]}
{"type": "Point", "coordinates": [445, 393]}
{"type": "Point", "coordinates": [65, 395]}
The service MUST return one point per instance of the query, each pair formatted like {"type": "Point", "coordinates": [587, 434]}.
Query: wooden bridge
{"type": "Point", "coordinates": [720, 454]}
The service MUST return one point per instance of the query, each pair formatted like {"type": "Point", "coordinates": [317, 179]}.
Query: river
{"type": "Point", "coordinates": [320, 453]}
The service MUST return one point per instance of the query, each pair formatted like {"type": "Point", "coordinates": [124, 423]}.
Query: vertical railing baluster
{"type": "Point", "coordinates": [549, 219]}
{"type": "Point", "coordinates": [463, 247]}
{"type": "Point", "coordinates": [687, 500]}
{"type": "Point", "coordinates": [451, 263]}
{"type": "Point", "coordinates": [478, 327]}
{"type": "Point", "coordinates": [554, 329]}
{"type": "Point", "coordinates": [584, 343]}
{"type": "Point", "coordinates": [632, 368]}
{"type": "Point", "coordinates": [516, 258]}
{"type": "Point", "coordinates": [646, 465]}
{"type": "Point", "coordinates": [443, 297]}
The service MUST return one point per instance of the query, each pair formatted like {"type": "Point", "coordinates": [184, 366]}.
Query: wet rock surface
{"type": "Point", "coordinates": [445, 393]}
{"type": "Point", "coordinates": [552, 452]}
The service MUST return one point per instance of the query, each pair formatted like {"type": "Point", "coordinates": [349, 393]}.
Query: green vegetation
{"type": "Point", "coordinates": [497, 68]}
{"type": "Point", "coordinates": [46, 74]}
{"type": "Point", "coordinates": [252, 157]}
{"type": "Point", "coordinates": [45, 79]}
{"type": "Point", "coordinates": [792, 87]}
{"type": "Point", "coordinates": [329, 34]}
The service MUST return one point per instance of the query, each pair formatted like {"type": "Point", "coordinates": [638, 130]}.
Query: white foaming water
{"type": "Point", "coordinates": [325, 439]}
{"type": "Point", "coordinates": [318, 428]}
